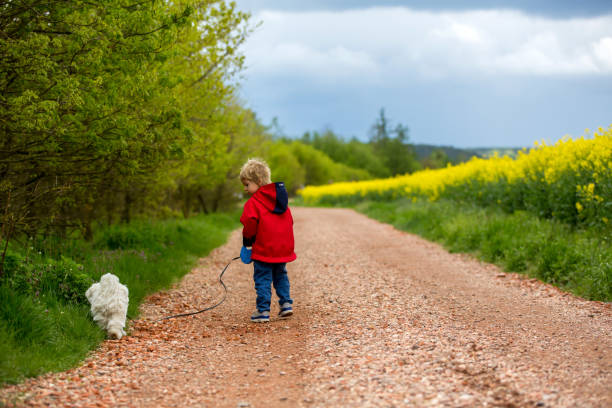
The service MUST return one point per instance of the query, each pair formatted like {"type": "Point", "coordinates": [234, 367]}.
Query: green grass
{"type": "Point", "coordinates": [578, 261]}
{"type": "Point", "coordinates": [45, 323]}
{"type": "Point", "coordinates": [41, 336]}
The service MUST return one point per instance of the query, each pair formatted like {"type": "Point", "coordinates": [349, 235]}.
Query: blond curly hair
{"type": "Point", "coordinates": [256, 171]}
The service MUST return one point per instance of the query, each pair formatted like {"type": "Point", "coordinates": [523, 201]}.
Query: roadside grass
{"type": "Point", "coordinates": [45, 324]}
{"type": "Point", "coordinates": [578, 261]}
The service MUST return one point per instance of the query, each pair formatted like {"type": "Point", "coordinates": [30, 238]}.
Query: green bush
{"type": "Point", "coordinates": [37, 276]}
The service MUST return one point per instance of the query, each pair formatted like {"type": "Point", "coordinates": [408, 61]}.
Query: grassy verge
{"type": "Point", "coordinates": [578, 261]}
{"type": "Point", "coordinates": [44, 319]}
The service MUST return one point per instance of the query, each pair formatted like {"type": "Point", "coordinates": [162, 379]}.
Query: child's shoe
{"type": "Point", "coordinates": [285, 310]}
{"type": "Point", "coordinates": [260, 317]}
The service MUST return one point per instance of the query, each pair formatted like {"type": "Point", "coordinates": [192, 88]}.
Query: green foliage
{"type": "Point", "coordinates": [353, 153]}
{"type": "Point", "coordinates": [207, 178]}
{"type": "Point", "coordinates": [577, 261]}
{"type": "Point", "coordinates": [66, 279]}
{"type": "Point", "coordinates": [368, 156]}
{"type": "Point", "coordinates": [320, 169]}
{"type": "Point", "coordinates": [285, 167]}
{"type": "Point", "coordinates": [388, 153]}
{"type": "Point", "coordinates": [38, 276]}
{"type": "Point", "coordinates": [298, 164]}
{"type": "Point", "coordinates": [101, 102]}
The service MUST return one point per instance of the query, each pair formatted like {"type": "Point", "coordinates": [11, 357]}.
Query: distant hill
{"type": "Point", "coordinates": [501, 151]}
{"type": "Point", "coordinates": [458, 155]}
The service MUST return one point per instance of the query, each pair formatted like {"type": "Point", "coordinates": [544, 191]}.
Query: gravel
{"type": "Point", "coordinates": [382, 319]}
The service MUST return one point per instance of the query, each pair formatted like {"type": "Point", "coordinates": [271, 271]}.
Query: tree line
{"type": "Point", "coordinates": [110, 109]}
{"type": "Point", "coordinates": [326, 157]}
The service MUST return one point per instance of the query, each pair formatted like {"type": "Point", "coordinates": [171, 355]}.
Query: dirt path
{"type": "Point", "coordinates": [383, 318]}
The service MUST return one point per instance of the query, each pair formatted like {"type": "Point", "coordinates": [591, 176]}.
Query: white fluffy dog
{"type": "Point", "coordinates": [109, 303]}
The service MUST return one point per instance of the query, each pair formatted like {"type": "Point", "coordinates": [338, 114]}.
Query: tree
{"type": "Point", "coordinates": [391, 145]}
{"type": "Point", "coordinates": [436, 160]}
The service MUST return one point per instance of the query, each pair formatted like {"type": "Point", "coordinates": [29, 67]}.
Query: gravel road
{"type": "Point", "coordinates": [382, 319]}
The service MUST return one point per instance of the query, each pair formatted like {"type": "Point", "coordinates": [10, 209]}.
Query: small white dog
{"type": "Point", "coordinates": [109, 303]}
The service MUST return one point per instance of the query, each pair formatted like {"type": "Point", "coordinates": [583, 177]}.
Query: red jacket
{"type": "Point", "coordinates": [268, 225]}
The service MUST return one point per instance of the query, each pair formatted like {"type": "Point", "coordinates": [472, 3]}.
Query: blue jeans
{"type": "Point", "coordinates": [270, 273]}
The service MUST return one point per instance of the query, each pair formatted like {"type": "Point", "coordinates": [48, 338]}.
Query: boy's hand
{"type": "Point", "coordinates": [245, 255]}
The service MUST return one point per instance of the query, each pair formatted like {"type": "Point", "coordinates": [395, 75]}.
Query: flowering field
{"type": "Point", "coordinates": [570, 181]}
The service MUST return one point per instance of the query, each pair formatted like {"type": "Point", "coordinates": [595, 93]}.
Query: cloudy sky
{"type": "Point", "coordinates": [461, 73]}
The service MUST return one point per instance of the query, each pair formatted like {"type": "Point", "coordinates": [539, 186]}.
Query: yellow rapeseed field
{"type": "Point", "coordinates": [570, 180]}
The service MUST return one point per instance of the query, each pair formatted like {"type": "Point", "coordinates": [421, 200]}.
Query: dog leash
{"type": "Point", "coordinates": [210, 307]}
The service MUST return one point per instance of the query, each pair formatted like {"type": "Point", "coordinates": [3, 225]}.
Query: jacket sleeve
{"type": "Point", "coordinates": [250, 220]}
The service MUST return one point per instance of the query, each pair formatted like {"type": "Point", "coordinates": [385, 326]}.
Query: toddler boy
{"type": "Point", "coordinates": [267, 238]}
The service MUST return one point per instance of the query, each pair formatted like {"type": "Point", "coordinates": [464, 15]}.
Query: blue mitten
{"type": "Point", "coordinates": [245, 255]}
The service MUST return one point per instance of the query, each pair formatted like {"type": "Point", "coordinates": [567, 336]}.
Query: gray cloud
{"type": "Point", "coordinates": [550, 8]}
{"type": "Point", "coordinates": [389, 43]}
{"type": "Point", "coordinates": [466, 78]}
